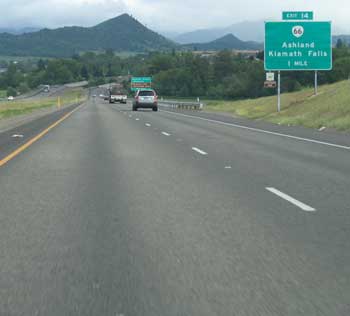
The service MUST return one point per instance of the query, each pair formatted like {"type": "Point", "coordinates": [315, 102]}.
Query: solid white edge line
{"type": "Point", "coordinates": [262, 131]}
{"type": "Point", "coordinates": [290, 199]}
{"type": "Point", "coordinates": [165, 134]}
{"type": "Point", "coordinates": [199, 151]}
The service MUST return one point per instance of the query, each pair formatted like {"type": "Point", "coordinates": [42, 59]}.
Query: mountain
{"type": "Point", "coordinates": [199, 36]}
{"type": "Point", "coordinates": [169, 34]}
{"type": "Point", "coordinates": [20, 30]}
{"type": "Point", "coordinates": [123, 33]}
{"type": "Point", "coordinates": [229, 41]}
{"type": "Point", "coordinates": [247, 31]}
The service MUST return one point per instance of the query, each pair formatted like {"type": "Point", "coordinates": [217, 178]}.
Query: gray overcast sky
{"type": "Point", "coordinates": [165, 15]}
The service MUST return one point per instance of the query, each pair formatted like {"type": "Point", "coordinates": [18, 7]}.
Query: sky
{"type": "Point", "coordinates": [166, 15]}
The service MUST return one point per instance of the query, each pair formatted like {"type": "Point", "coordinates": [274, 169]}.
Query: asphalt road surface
{"type": "Point", "coordinates": [114, 212]}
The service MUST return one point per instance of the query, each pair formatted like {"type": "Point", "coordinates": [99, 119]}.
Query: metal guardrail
{"type": "Point", "coordinates": [77, 84]}
{"type": "Point", "coordinates": [30, 94]}
{"type": "Point", "coordinates": [181, 105]}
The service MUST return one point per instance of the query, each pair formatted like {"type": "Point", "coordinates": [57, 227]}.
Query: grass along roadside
{"type": "Point", "coordinates": [2, 94]}
{"type": "Point", "coordinates": [330, 108]}
{"type": "Point", "coordinates": [12, 108]}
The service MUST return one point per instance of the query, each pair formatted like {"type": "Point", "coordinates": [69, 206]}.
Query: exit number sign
{"type": "Point", "coordinates": [298, 15]}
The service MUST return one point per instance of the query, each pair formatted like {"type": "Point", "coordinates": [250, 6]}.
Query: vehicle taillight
{"type": "Point", "coordinates": [156, 98]}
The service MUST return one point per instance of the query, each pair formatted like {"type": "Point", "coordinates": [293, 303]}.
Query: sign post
{"type": "Point", "coordinates": [279, 92]}
{"type": "Point", "coordinates": [297, 46]}
{"type": "Point", "coordinates": [316, 82]}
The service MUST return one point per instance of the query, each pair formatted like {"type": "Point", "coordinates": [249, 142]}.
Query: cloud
{"type": "Point", "coordinates": [54, 13]}
{"type": "Point", "coordinates": [175, 15]}
{"type": "Point", "coordinates": [189, 14]}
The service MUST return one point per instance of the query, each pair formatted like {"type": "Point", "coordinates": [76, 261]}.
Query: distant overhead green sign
{"type": "Point", "coordinates": [298, 46]}
{"type": "Point", "coordinates": [141, 83]}
{"type": "Point", "coordinates": [298, 15]}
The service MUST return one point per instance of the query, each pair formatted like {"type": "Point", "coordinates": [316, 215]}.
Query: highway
{"type": "Point", "coordinates": [121, 213]}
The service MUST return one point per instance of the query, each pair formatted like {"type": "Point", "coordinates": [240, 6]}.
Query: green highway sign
{"type": "Point", "coordinates": [298, 15]}
{"type": "Point", "coordinates": [298, 45]}
{"type": "Point", "coordinates": [141, 83]}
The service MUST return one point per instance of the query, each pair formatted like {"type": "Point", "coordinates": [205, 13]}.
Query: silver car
{"type": "Point", "coordinates": [145, 99]}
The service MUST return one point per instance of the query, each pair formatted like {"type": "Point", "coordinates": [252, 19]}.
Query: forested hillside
{"type": "Point", "coordinates": [123, 33]}
{"type": "Point", "coordinates": [180, 74]}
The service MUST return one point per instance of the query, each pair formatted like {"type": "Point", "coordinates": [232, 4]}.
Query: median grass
{"type": "Point", "coordinates": [330, 108]}
{"type": "Point", "coordinates": [12, 108]}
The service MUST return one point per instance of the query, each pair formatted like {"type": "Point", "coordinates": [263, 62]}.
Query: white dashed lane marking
{"type": "Point", "coordinates": [292, 200]}
{"type": "Point", "coordinates": [261, 130]}
{"type": "Point", "coordinates": [199, 151]}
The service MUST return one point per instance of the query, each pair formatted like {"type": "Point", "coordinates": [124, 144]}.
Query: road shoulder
{"type": "Point", "coordinates": [330, 136]}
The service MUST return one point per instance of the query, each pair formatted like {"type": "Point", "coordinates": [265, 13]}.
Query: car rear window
{"type": "Point", "coordinates": [146, 93]}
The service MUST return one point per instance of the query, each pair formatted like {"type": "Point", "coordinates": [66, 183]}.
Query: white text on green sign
{"type": "Point", "coordinates": [141, 79]}
{"type": "Point", "coordinates": [298, 15]}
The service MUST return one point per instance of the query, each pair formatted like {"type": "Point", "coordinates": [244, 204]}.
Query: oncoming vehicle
{"type": "Point", "coordinates": [10, 98]}
{"type": "Point", "coordinates": [147, 99]}
{"type": "Point", "coordinates": [116, 94]}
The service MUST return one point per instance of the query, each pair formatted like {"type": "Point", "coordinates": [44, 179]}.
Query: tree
{"type": "Point", "coordinates": [58, 72]}
{"type": "Point", "coordinates": [84, 72]}
{"type": "Point", "coordinates": [109, 70]}
{"type": "Point", "coordinates": [11, 92]}
{"type": "Point", "coordinates": [97, 71]}
{"type": "Point", "coordinates": [260, 55]}
{"type": "Point", "coordinates": [341, 69]}
{"type": "Point", "coordinates": [23, 87]}
{"type": "Point", "coordinates": [12, 76]}
{"type": "Point", "coordinates": [36, 78]}
{"type": "Point", "coordinates": [223, 65]}
{"type": "Point", "coordinates": [41, 65]}
{"type": "Point", "coordinates": [161, 62]}
{"type": "Point", "coordinates": [340, 43]}
{"type": "Point", "coordinates": [109, 52]}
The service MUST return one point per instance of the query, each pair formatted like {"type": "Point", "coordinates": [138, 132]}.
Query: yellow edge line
{"type": "Point", "coordinates": [35, 138]}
